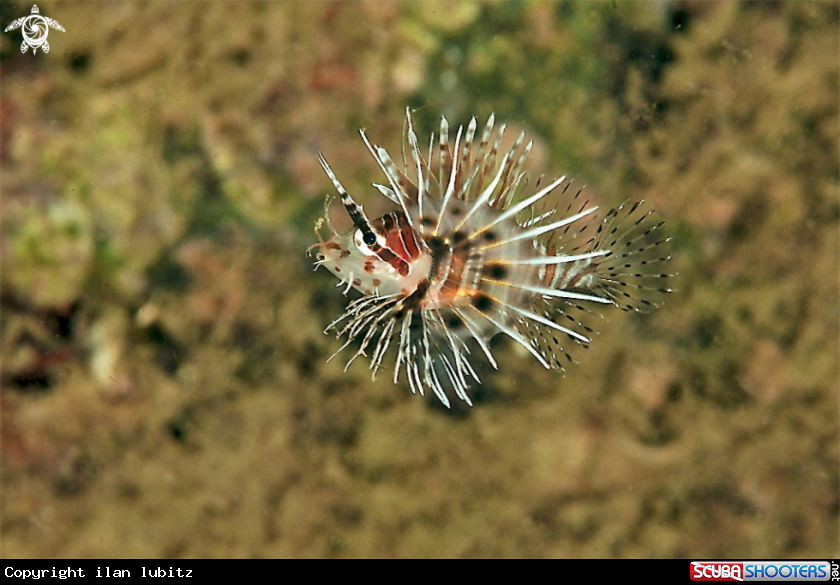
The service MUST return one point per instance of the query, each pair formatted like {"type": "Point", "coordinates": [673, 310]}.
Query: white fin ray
{"type": "Point", "coordinates": [558, 259]}
{"type": "Point", "coordinates": [387, 192]}
{"type": "Point", "coordinates": [535, 232]}
{"type": "Point", "coordinates": [548, 323]}
{"type": "Point", "coordinates": [418, 162]}
{"type": "Point", "coordinates": [403, 349]}
{"type": "Point", "coordinates": [450, 188]}
{"type": "Point", "coordinates": [552, 292]}
{"type": "Point", "coordinates": [511, 212]}
{"type": "Point", "coordinates": [516, 336]}
{"type": "Point", "coordinates": [388, 168]}
{"type": "Point", "coordinates": [477, 335]}
{"type": "Point", "coordinates": [485, 196]}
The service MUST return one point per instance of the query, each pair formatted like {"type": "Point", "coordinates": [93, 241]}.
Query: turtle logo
{"type": "Point", "coordinates": [35, 30]}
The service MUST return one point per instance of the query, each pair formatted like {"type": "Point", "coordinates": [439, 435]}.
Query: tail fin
{"type": "Point", "coordinates": [633, 274]}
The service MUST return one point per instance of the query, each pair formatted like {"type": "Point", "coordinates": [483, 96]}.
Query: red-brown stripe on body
{"type": "Point", "coordinates": [409, 240]}
{"type": "Point", "coordinates": [401, 247]}
{"type": "Point", "coordinates": [451, 270]}
{"type": "Point", "coordinates": [395, 261]}
{"type": "Point", "coordinates": [399, 236]}
{"type": "Point", "coordinates": [454, 280]}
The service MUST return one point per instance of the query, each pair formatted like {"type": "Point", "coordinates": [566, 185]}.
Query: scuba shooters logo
{"type": "Point", "coordinates": [712, 571]}
{"type": "Point", "coordinates": [760, 571]}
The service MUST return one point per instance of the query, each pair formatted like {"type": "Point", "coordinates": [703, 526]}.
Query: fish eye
{"type": "Point", "coordinates": [364, 241]}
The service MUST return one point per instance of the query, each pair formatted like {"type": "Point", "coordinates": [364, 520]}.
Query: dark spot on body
{"type": "Point", "coordinates": [332, 246]}
{"type": "Point", "coordinates": [321, 257]}
{"type": "Point", "coordinates": [496, 271]}
{"type": "Point", "coordinates": [376, 283]}
{"type": "Point", "coordinates": [369, 266]}
{"type": "Point", "coordinates": [458, 237]}
{"type": "Point", "coordinates": [482, 302]}
{"type": "Point", "coordinates": [344, 254]}
{"type": "Point", "coordinates": [436, 243]}
{"type": "Point", "coordinates": [427, 221]}
{"type": "Point", "coordinates": [357, 282]}
{"type": "Point", "coordinates": [489, 236]}
{"type": "Point", "coordinates": [453, 322]}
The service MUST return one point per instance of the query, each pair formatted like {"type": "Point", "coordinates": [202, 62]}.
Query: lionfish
{"type": "Point", "coordinates": [470, 252]}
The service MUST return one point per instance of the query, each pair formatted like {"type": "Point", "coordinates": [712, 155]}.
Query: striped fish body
{"type": "Point", "coordinates": [469, 254]}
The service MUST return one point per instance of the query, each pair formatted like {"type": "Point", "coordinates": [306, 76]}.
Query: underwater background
{"type": "Point", "coordinates": [165, 391]}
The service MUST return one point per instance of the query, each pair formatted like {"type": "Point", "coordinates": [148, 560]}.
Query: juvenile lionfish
{"type": "Point", "coordinates": [467, 255]}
